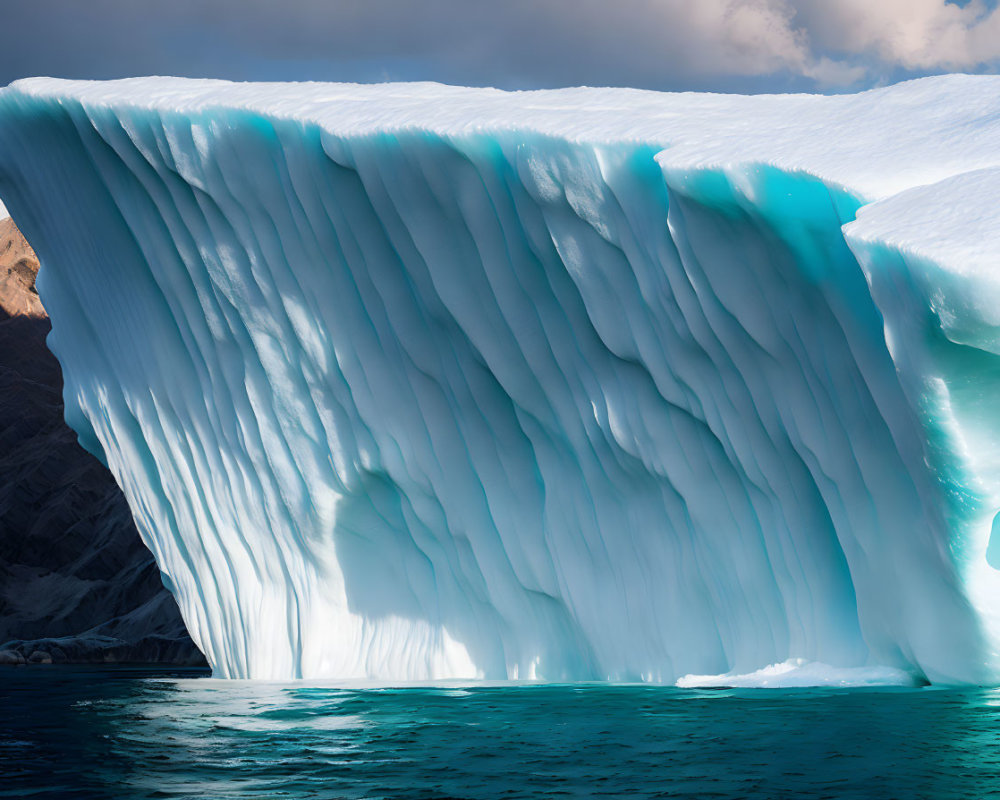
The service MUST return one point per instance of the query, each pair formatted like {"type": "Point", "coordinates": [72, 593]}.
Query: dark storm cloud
{"type": "Point", "coordinates": [697, 44]}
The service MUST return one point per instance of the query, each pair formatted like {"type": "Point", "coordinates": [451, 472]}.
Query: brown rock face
{"type": "Point", "coordinates": [18, 268]}
{"type": "Point", "coordinates": [76, 582]}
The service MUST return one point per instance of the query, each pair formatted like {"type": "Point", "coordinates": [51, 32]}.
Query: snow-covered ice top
{"type": "Point", "coordinates": [412, 381]}
{"type": "Point", "coordinates": [877, 143]}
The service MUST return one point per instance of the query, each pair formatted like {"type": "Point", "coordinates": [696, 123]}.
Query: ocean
{"type": "Point", "coordinates": [71, 732]}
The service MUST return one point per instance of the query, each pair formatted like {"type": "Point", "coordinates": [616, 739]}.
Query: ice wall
{"type": "Point", "coordinates": [416, 382]}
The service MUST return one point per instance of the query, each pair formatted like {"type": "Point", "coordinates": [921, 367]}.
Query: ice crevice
{"type": "Point", "coordinates": [417, 382]}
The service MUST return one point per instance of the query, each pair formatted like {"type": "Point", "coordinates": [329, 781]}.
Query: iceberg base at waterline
{"type": "Point", "coordinates": [798, 673]}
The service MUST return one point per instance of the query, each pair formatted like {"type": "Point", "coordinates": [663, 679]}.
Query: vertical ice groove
{"type": "Point", "coordinates": [450, 399]}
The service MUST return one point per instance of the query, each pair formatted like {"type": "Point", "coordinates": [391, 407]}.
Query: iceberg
{"type": "Point", "coordinates": [418, 382]}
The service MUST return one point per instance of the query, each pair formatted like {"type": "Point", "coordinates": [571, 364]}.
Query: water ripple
{"type": "Point", "coordinates": [100, 733]}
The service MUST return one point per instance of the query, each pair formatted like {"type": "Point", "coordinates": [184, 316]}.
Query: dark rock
{"type": "Point", "coordinates": [76, 582]}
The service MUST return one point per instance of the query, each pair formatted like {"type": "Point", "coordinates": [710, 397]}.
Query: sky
{"type": "Point", "coordinates": [704, 45]}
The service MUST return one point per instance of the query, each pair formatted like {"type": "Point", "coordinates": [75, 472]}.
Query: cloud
{"type": "Point", "coordinates": [913, 34]}
{"type": "Point", "coordinates": [669, 44]}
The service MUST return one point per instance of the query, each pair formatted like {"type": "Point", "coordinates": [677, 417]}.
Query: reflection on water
{"type": "Point", "coordinates": [99, 733]}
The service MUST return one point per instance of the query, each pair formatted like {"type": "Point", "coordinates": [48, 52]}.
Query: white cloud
{"type": "Point", "coordinates": [912, 34]}
{"type": "Point", "coordinates": [837, 42]}
{"type": "Point", "coordinates": [738, 36]}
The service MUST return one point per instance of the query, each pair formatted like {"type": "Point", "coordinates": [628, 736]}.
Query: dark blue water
{"type": "Point", "coordinates": [77, 733]}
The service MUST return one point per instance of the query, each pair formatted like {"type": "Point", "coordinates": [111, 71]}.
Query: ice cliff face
{"type": "Point", "coordinates": [411, 381]}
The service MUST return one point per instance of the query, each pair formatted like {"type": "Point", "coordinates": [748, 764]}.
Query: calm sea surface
{"type": "Point", "coordinates": [132, 733]}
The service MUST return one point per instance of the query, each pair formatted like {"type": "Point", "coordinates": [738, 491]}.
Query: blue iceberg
{"type": "Point", "coordinates": [416, 382]}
